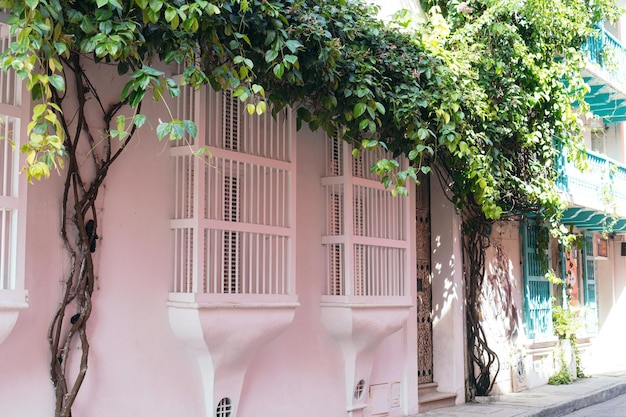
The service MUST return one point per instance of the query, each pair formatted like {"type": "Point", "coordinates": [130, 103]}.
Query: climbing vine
{"type": "Point", "coordinates": [524, 73]}
{"type": "Point", "coordinates": [481, 91]}
{"type": "Point", "coordinates": [607, 196]}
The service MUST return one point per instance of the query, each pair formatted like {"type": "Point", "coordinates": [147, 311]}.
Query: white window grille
{"type": "Point", "coordinates": [12, 185]}
{"type": "Point", "coordinates": [366, 241]}
{"type": "Point", "coordinates": [234, 211]}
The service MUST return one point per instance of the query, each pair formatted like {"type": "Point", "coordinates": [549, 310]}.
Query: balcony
{"type": "Point", "coordinates": [595, 194]}
{"type": "Point", "coordinates": [605, 74]}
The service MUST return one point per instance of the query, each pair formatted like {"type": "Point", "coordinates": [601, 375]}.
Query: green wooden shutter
{"type": "Point", "coordinates": [589, 282]}
{"type": "Point", "coordinates": [537, 297]}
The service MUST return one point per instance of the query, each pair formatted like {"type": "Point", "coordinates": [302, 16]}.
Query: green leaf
{"type": "Point", "coordinates": [261, 107]}
{"type": "Point", "coordinates": [105, 27]}
{"type": "Point", "coordinates": [87, 26]}
{"type": "Point", "coordinates": [36, 92]}
{"type": "Point", "coordinates": [293, 45]}
{"type": "Point", "coordinates": [270, 55]}
{"type": "Point", "coordinates": [40, 128]}
{"type": "Point", "coordinates": [156, 5]}
{"type": "Point", "coordinates": [38, 111]}
{"type": "Point", "coordinates": [178, 131]}
{"type": "Point", "coordinates": [120, 122]}
{"type": "Point", "coordinates": [57, 82]}
{"type": "Point", "coordinates": [279, 70]}
{"type": "Point", "coordinates": [135, 97]}
{"type": "Point", "coordinates": [359, 109]}
{"type": "Point", "coordinates": [170, 14]}
{"type": "Point", "coordinates": [190, 128]}
{"type": "Point", "coordinates": [258, 89]}
{"type": "Point", "coordinates": [163, 129]}
{"type": "Point", "coordinates": [139, 120]}
{"type": "Point", "coordinates": [126, 90]}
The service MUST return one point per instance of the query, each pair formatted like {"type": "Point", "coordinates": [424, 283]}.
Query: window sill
{"type": "Point", "coordinates": [11, 302]}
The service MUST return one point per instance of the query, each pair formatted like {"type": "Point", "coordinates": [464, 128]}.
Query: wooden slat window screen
{"type": "Point", "coordinates": [236, 203]}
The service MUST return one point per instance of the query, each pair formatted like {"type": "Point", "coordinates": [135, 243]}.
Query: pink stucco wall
{"type": "Point", "coordinates": [502, 303]}
{"type": "Point", "coordinates": [137, 366]}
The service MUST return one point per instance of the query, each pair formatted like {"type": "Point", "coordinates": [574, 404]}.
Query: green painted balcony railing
{"type": "Point", "coordinates": [607, 52]}
{"type": "Point", "coordinates": [606, 76]}
{"type": "Point", "coordinates": [602, 187]}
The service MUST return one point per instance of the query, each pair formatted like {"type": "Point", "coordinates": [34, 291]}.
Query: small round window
{"type": "Point", "coordinates": [224, 408]}
{"type": "Point", "coordinates": [358, 390]}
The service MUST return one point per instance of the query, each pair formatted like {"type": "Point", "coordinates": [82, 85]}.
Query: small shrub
{"type": "Point", "coordinates": [562, 377]}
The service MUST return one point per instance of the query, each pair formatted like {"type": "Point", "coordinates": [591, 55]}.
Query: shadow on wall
{"type": "Point", "coordinates": [450, 291]}
{"type": "Point", "coordinates": [500, 313]}
{"type": "Point", "coordinates": [498, 294]}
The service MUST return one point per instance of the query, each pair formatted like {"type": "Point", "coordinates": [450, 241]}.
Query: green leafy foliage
{"type": "Point", "coordinates": [566, 321]}
{"type": "Point", "coordinates": [561, 377]}
{"type": "Point", "coordinates": [483, 88]}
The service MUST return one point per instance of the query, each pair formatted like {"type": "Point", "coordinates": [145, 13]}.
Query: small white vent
{"type": "Point", "coordinates": [358, 389]}
{"type": "Point", "coordinates": [224, 408]}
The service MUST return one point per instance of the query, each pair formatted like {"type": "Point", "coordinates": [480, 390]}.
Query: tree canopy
{"type": "Point", "coordinates": [484, 89]}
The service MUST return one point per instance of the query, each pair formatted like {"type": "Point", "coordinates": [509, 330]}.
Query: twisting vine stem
{"type": "Point", "coordinates": [483, 364]}
{"type": "Point", "coordinates": [79, 225]}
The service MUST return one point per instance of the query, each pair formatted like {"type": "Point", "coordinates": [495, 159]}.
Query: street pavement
{"type": "Point", "coordinates": [612, 408]}
{"type": "Point", "coordinates": [547, 400]}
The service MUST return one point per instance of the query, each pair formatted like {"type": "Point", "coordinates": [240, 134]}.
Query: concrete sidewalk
{"type": "Point", "coordinates": [544, 401]}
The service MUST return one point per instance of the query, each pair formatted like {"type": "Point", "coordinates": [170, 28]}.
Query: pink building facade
{"type": "Point", "coordinates": [276, 277]}
{"type": "Point", "coordinates": [273, 278]}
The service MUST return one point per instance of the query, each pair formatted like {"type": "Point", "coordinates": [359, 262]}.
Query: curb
{"type": "Point", "coordinates": [567, 407]}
